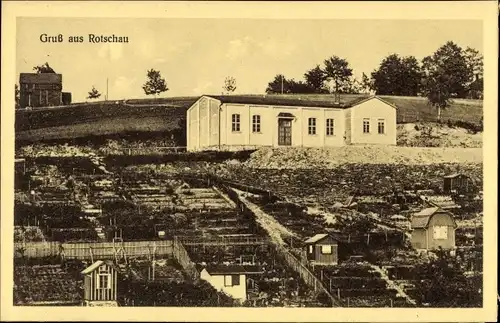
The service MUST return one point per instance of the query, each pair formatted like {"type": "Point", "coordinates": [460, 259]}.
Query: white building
{"type": "Point", "coordinates": [231, 280]}
{"type": "Point", "coordinates": [238, 122]}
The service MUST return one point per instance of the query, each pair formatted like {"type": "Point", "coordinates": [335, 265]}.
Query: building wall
{"type": "Point", "coordinates": [373, 109]}
{"type": "Point", "coordinates": [217, 281]}
{"type": "Point", "coordinates": [441, 219]}
{"type": "Point", "coordinates": [328, 258]}
{"type": "Point", "coordinates": [348, 126]}
{"type": "Point", "coordinates": [92, 293]}
{"type": "Point", "coordinates": [192, 128]}
{"type": "Point", "coordinates": [419, 238]}
{"type": "Point", "coordinates": [40, 95]}
{"type": "Point", "coordinates": [268, 135]}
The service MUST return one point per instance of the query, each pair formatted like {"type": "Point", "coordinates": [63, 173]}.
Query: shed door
{"type": "Point", "coordinates": [284, 132]}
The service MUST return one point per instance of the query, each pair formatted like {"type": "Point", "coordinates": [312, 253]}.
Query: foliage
{"type": "Point", "coordinates": [441, 283]}
{"type": "Point", "coordinates": [281, 84]}
{"type": "Point", "coordinates": [229, 85]}
{"type": "Point", "coordinates": [366, 84]}
{"type": "Point", "coordinates": [155, 84]}
{"type": "Point", "coordinates": [338, 71]}
{"type": "Point", "coordinates": [17, 97]}
{"type": "Point", "coordinates": [94, 93]}
{"type": "Point", "coordinates": [475, 65]}
{"type": "Point", "coordinates": [315, 79]}
{"type": "Point", "coordinates": [45, 68]}
{"type": "Point", "coordinates": [398, 76]}
{"type": "Point", "coordinates": [446, 75]}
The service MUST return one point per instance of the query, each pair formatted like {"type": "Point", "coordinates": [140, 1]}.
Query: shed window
{"type": "Point", "coordinates": [440, 232]}
{"type": "Point", "coordinates": [103, 281]}
{"type": "Point", "coordinates": [330, 127]}
{"type": "Point", "coordinates": [311, 249]}
{"type": "Point", "coordinates": [326, 250]}
{"type": "Point", "coordinates": [381, 126]}
{"type": "Point", "coordinates": [231, 280]}
{"type": "Point", "coordinates": [235, 122]}
{"type": "Point", "coordinates": [312, 126]}
{"type": "Point", "coordinates": [366, 125]}
{"type": "Point", "coordinates": [256, 123]}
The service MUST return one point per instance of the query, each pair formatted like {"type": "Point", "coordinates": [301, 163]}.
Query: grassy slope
{"type": "Point", "coordinates": [163, 114]}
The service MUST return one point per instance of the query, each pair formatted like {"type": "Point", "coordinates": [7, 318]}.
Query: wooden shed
{"type": "Point", "coordinates": [457, 183]}
{"type": "Point", "coordinates": [433, 228]}
{"type": "Point", "coordinates": [100, 284]}
{"type": "Point", "coordinates": [322, 249]}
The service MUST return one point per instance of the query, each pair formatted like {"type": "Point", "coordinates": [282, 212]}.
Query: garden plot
{"type": "Point", "coordinates": [278, 285]}
{"type": "Point", "coordinates": [39, 284]}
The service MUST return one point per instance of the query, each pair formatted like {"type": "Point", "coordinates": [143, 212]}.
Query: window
{"type": "Point", "coordinates": [231, 280]}
{"type": "Point", "coordinates": [312, 126]}
{"type": "Point", "coordinates": [235, 123]}
{"type": "Point", "coordinates": [366, 125]}
{"type": "Point", "coordinates": [381, 126]}
{"type": "Point", "coordinates": [326, 250]}
{"type": "Point", "coordinates": [330, 127]}
{"type": "Point", "coordinates": [104, 281]}
{"type": "Point", "coordinates": [256, 123]}
{"type": "Point", "coordinates": [440, 232]}
{"type": "Point", "coordinates": [310, 249]}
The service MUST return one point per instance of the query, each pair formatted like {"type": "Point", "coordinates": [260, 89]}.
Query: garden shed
{"type": "Point", "coordinates": [100, 284]}
{"type": "Point", "coordinates": [457, 182]}
{"type": "Point", "coordinates": [231, 279]}
{"type": "Point", "coordinates": [322, 249]}
{"type": "Point", "coordinates": [433, 228]}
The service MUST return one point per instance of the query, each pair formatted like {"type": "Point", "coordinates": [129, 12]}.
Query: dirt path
{"type": "Point", "coordinates": [391, 284]}
{"type": "Point", "coordinates": [273, 227]}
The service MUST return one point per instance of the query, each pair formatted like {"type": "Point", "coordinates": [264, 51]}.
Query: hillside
{"type": "Point", "coordinates": [166, 114]}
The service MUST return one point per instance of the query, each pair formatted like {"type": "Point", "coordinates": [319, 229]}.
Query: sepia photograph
{"type": "Point", "coordinates": [244, 162]}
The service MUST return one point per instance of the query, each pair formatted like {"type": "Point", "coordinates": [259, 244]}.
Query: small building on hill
{"type": "Point", "coordinates": [100, 284]}
{"type": "Point", "coordinates": [322, 249]}
{"type": "Point", "coordinates": [41, 90]}
{"type": "Point", "coordinates": [433, 228]}
{"type": "Point", "coordinates": [248, 122]}
{"type": "Point", "coordinates": [231, 280]}
{"type": "Point", "coordinates": [457, 183]}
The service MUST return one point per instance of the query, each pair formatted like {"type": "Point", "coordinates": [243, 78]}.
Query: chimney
{"type": "Point", "coordinates": [336, 98]}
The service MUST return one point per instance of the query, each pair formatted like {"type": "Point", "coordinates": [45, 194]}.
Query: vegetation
{"type": "Point", "coordinates": [45, 68]}
{"type": "Point", "coordinates": [398, 76]}
{"type": "Point", "coordinates": [229, 85]}
{"type": "Point", "coordinates": [94, 94]}
{"type": "Point", "coordinates": [155, 84]}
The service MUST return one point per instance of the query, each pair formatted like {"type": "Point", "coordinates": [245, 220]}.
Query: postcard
{"type": "Point", "coordinates": [249, 161]}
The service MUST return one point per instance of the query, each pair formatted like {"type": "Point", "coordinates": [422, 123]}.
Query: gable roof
{"type": "Point", "coordinates": [317, 238]}
{"type": "Point", "coordinates": [421, 219]}
{"type": "Point", "coordinates": [96, 265]}
{"type": "Point", "coordinates": [232, 269]}
{"type": "Point", "coordinates": [40, 78]}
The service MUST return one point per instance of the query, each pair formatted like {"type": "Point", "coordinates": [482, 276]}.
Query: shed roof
{"type": "Point", "coordinates": [292, 102]}
{"type": "Point", "coordinates": [454, 175]}
{"type": "Point", "coordinates": [96, 265]}
{"type": "Point", "coordinates": [232, 269]}
{"type": "Point", "coordinates": [40, 78]}
{"type": "Point", "coordinates": [422, 218]}
{"type": "Point", "coordinates": [317, 238]}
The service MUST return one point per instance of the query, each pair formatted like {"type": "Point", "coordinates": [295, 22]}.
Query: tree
{"type": "Point", "coordinates": [446, 76]}
{"type": "Point", "coordinates": [366, 84]}
{"type": "Point", "coordinates": [441, 283]}
{"type": "Point", "coordinates": [45, 68]}
{"type": "Point", "coordinates": [17, 96]}
{"type": "Point", "coordinates": [155, 83]}
{"type": "Point", "coordinates": [278, 85]}
{"type": "Point", "coordinates": [398, 76]}
{"type": "Point", "coordinates": [337, 70]}
{"type": "Point", "coordinates": [474, 62]}
{"type": "Point", "coordinates": [315, 79]}
{"type": "Point", "coordinates": [229, 85]}
{"type": "Point", "coordinates": [94, 93]}
{"type": "Point", "coordinates": [299, 87]}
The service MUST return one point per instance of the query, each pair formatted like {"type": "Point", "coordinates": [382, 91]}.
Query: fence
{"type": "Point", "coordinates": [104, 250]}
{"type": "Point", "coordinates": [182, 256]}
{"type": "Point", "coordinates": [221, 240]}
{"type": "Point", "coordinates": [308, 277]}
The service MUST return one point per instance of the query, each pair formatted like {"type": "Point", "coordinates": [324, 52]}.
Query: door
{"type": "Point", "coordinates": [284, 132]}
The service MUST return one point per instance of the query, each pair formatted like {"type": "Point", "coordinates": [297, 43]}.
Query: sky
{"type": "Point", "coordinates": [195, 55]}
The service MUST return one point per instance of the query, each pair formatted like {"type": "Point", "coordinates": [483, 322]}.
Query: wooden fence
{"type": "Point", "coordinates": [102, 250]}
{"type": "Point", "coordinates": [182, 257]}
{"type": "Point", "coordinates": [224, 241]}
